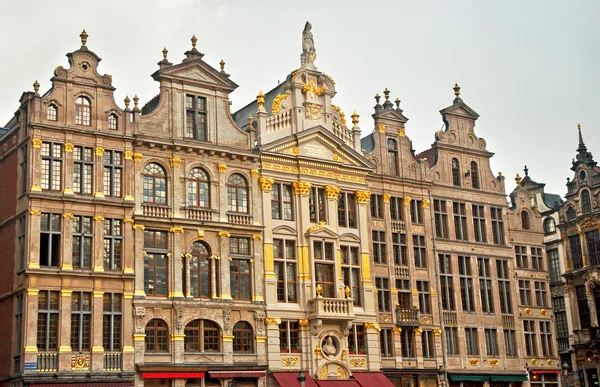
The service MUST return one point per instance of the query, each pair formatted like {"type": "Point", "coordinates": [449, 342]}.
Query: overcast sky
{"type": "Point", "coordinates": [529, 68]}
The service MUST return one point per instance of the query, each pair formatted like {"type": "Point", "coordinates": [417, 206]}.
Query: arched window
{"type": "Point", "coordinates": [237, 194]}
{"type": "Point", "coordinates": [455, 173]}
{"type": "Point", "coordinates": [586, 203]}
{"type": "Point", "coordinates": [83, 111]}
{"type": "Point", "coordinates": [549, 226]}
{"type": "Point", "coordinates": [155, 184]}
{"type": "Point", "coordinates": [474, 175]}
{"type": "Point", "coordinates": [202, 336]}
{"type": "Point", "coordinates": [392, 147]}
{"type": "Point", "coordinates": [112, 122]}
{"type": "Point", "coordinates": [525, 220]}
{"type": "Point", "coordinates": [571, 213]}
{"type": "Point", "coordinates": [198, 188]}
{"type": "Point", "coordinates": [157, 335]}
{"type": "Point", "coordinates": [200, 270]}
{"type": "Point", "coordinates": [51, 112]}
{"type": "Point", "coordinates": [243, 337]}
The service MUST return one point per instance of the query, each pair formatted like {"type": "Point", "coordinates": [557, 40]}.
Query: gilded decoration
{"type": "Point", "coordinates": [80, 362]}
{"type": "Point", "coordinates": [224, 234]}
{"type": "Point", "coordinates": [319, 226]}
{"type": "Point", "coordinates": [381, 128]}
{"type": "Point", "coordinates": [372, 325]}
{"type": "Point", "coordinates": [474, 362]}
{"type": "Point", "coordinates": [296, 150]}
{"type": "Point", "coordinates": [318, 354]}
{"type": "Point", "coordinates": [254, 173]}
{"type": "Point", "coordinates": [357, 362]}
{"type": "Point", "coordinates": [99, 151]}
{"type": "Point", "coordinates": [313, 112]}
{"type": "Point", "coordinates": [494, 362]}
{"type": "Point", "coordinates": [386, 197]}
{"type": "Point", "coordinates": [527, 310]}
{"type": "Point", "coordinates": [340, 373]}
{"type": "Point", "coordinates": [332, 192]}
{"type": "Point", "coordinates": [277, 102]}
{"type": "Point", "coordinates": [68, 216]}
{"type": "Point", "coordinates": [260, 100]}
{"type": "Point", "coordinates": [323, 373]}
{"type": "Point", "coordinates": [222, 168]}
{"type": "Point", "coordinates": [266, 183]}
{"type": "Point", "coordinates": [347, 291]}
{"type": "Point", "coordinates": [289, 361]}
{"type": "Point", "coordinates": [257, 237]}
{"type": "Point", "coordinates": [128, 155]}
{"type": "Point", "coordinates": [303, 322]}
{"type": "Point", "coordinates": [339, 111]}
{"type": "Point", "coordinates": [407, 200]}
{"type": "Point", "coordinates": [363, 196]}
{"type": "Point", "coordinates": [549, 362]}
{"type": "Point", "coordinates": [302, 188]}
{"type": "Point", "coordinates": [272, 321]}
{"type": "Point", "coordinates": [319, 290]}
{"type": "Point", "coordinates": [137, 157]}
{"type": "Point", "coordinates": [175, 162]}
{"type": "Point", "coordinates": [311, 89]}
{"type": "Point", "coordinates": [544, 312]}
{"type": "Point", "coordinates": [425, 203]}
{"type": "Point", "coordinates": [534, 361]}
{"type": "Point", "coordinates": [36, 143]}
{"type": "Point", "coordinates": [69, 147]}
{"type": "Point", "coordinates": [99, 218]}
{"type": "Point", "coordinates": [401, 132]}
{"type": "Point", "coordinates": [385, 318]}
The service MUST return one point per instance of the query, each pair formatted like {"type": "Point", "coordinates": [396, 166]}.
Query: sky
{"type": "Point", "coordinates": [529, 68]}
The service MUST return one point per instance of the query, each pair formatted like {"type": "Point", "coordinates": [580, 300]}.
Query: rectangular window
{"type": "Point", "coordinates": [386, 342]}
{"type": "Point", "coordinates": [112, 315]}
{"type": "Point", "coordinates": [19, 323]}
{"type": "Point", "coordinates": [52, 159]}
{"type": "Point", "coordinates": [379, 243]}
{"type": "Point", "coordinates": [525, 292]}
{"type": "Point", "coordinates": [24, 166]}
{"type": "Point", "coordinates": [530, 338]}
{"type": "Point", "coordinates": [155, 263]}
{"type": "Point", "coordinates": [416, 211]}
{"type": "Point", "coordinates": [582, 306]}
{"type": "Point", "coordinates": [485, 285]}
{"type": "Point", "coordinates": [536, 258]}
{"type": "Point", "coordinates": [576, 252]}
{"type": "Point", "coordinates": [424, 297]}
{"type": "Point", "coordinates": [396, 208]}
{"type": "Point", "coordinates": [113, 173]}
{"type": "Point", "coordinates": [471, 340]}
{"type": "Point", "coordinates": [113, 244]}
{"type": "Point", "coordinates": [351, 271]}
{"type": "Point", "coordinates": [289, 337]}
{"type": "Point", "coordinates": [81, 321]}
{"type": "Point", "coordinates": [452, 347]}
{"type": "Point", "coordinates": [504, 286]}
{"type": "Point", "coordinates": [316, 205]}
{"type": "Point", "coordinates": [446, 282]}
{"type": "Point", "coordinates": [383, 294]}
{"type": "Point", "coordinates": [491, 342]}
{"type": "Point", "coordinates": [356, 340]}
{"type": "Point", "coordinates": [282, 202]}
{"type": "Point", "coordinates": [420, 251]}
{"type": "Point", "coordinates": [497, 225]}
{"type": "Point", "coordinates": [521, 257]}
{"type": "Point", "coordinates": [50, 240]}
{"type": "Point", "coordinates": [460, 221]}
{"type": "Point", "coordinates": [560, 314]}
{"type": "Point", "coordinates": [239, 268]}
{"type": "Point", "coordinates": [407, 342]}
{"type": "Point", "coordinates": [541, 293]}
{"type": "Point", "coordinates": [82, 242]}
{"type": "Point", "coordinates": [22, 240]}
{"type": "Point", "coordinates": [554, 267]}
{"type": "Point", "coordinates": [377, 206]}
{"type": "Point", "coordinates": [546, 339]}
{"type": "Point", "coordinates": [479, 223]}
{"type": "Point", "coordinates": [347, 210]}
{"type": "Point", "coordinates": [593, 244]}
{"type": "Point", "coordinates": [440, 214]}
{"type": "Point", "coordinates": [427, 344]}
{"type": "Point", "coordinates": [323, 254]}
{"type": "Point", "coordinates": [195, 118]}
{"type": "Point", "coordinates": [83, 166]}
{"type": "Point", "coordinates": [47, 322]}
{"type": "Point", "coordinates": [404, 293]}
{"type": "Point", "coordinates": [399, 249]}
{"type": "Point", "coordinates": [239, 245]}
{"type": "Point", "coordinates": [466, 283]}
{"type": "Point", "coordinates": [284, 254]}
{"type": "Point", "coordinates": [510, 342]}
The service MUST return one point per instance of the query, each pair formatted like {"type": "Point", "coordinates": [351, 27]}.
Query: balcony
{"type": "Point", "coordinates": [402, 272]}
{"type": "Point", "coordinates": [407, 317]}
{"type": "Point", "coordinates": [398, 226]}
{"type": "Point", "coordinates": [508, 321]}
{"type": "Point", "coordinates": [450, 318]}
{"type": "Point", "coordinates": [47, 362]}
{"type": "Point", "coordinates": [112, 361]}
{"type": "Point", "coordinates": [197, 213]}
{"type": "Point", "coordinates": [563, 344]}
{"type": "Point", "coordinates": [243, 219]}
{"type": "Point", "coordinates": [332, 308]}
{"type": "Point", "coordinates": [156, 210]}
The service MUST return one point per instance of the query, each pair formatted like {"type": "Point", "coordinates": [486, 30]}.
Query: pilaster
{"type": "Point", "coordinates": [97, 358]}
{"type": "Point", "coordinates": [67, 242]}
{"type": "Point", "coordinates": [64, 346]}
{"type": "Point", "coordinates": [224, 262]}
{"type": "Point", "coordinates": [175, 261]}
{"type": "Point", "coordinates": [178, 189]}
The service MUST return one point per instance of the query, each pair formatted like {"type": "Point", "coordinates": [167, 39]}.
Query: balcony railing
{"type": "Point", "coordinates": [335, 308]}
{"type": "Point", "coordinates": [450, 318]}
{"type": "Point", "coordinates": [577, 262]}
{"type": "Point", "coordinates": [402, 272]}
{"type": "Point", "coordinates": [407, 316]}
{"type": "Point", "coordinates": [398, 226]}
{"type": "Point", "coordinates": [563, 344]}
{"type": "Point", "coordinates": [279, 121]}
{"type": "Point", "coordinates": [112, 361]}
{"type": "Point", "coordinates": [47, 362]}
{"type": "Point", "coordinates": [343, 133]}
{"type": "Point", "coordinates": [508, 321]}
{"type": "Point", "coordinates": [198, 213]}
{"type": "Point", "coordinates": [239, 219]}
{"type": "Point", "coordinates": [156, 210]}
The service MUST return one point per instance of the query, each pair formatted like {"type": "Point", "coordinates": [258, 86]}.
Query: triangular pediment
{"type": "Point", "coordinates": [392, 115]}
{"type": "Point", "coordinates": [461, 109]}
{"type": "Point", "coordinates": [318, 144]}
{"type": "Point", "coordinates": [198, 72]}
{"type": "Point", "coordinates": [322, 230]}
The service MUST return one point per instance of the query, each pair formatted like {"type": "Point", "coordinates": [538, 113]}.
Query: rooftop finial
{"type": "Point", "coordinates": [83, 35]}
{"type": "Point", "coordinates": [222, 64]}
{"type": "Point", "coordinates": [165, 52]}
{"type": "Point", "coordinates": [526, 170]}
{"type": "Point", "coordinates": [397, 102]}
{"type": "Point", "coordinates": [518, 180]}
{"type": "Point", "coordinates": [136, 100]}
{"type": "Point", "coordinates": [36, 86]}
{"type": "Point", "coordinates": [386, 93]}
{"type": "Point", "coordinates": [377, 98]}
{"type": "Point", "coordinates": [194, 40]}
{"type": "Point", "coordinates": [250, 121]}
{"type": "Point", "coordinates": [126, 100]}
{"type": "Point", "coordinates": [260, 100]}
{"type": "Point", "coordinates": [354, 118]}
{"type": "Point", "coordinates": [456, 89]}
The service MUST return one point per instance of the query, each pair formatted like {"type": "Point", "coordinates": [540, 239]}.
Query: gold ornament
{"type": "Point", "coordinates": [266, 183]}
{"type": "Point", "coordinates": [363, 196]}
{"type": "Point", "coordinates": [222, 168]}
{"type": "Point", "coordinates": [332, 192]}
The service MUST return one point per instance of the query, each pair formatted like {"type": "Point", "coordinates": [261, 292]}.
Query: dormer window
{"type": "Point", "coordinates": [83, 112]}
{"type": "Point", "coordinates": [474, 175]}
{"type": "Point", "coordinates": [195, 118]}
{"type": "Point", "coordinates": [571, 215]}
{"type": "Point", "coordinates": [51, 112]}
{"type": "Point", "coordinates": [525, 220]}
{"type": "Point", "coordinates": [455, 173]}
{"type": "Point", "coordinates": [112, 122]}
{"type": "Point", "coordinates": [392, 147]}
{"type": "Point", "coordinates": [586, 203]}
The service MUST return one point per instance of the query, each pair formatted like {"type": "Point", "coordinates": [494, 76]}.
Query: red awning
{"type": "Point", "coordinates": [239, 374]}
{"type": "Point", "coordinates": [121, 384]}
{"type": "Point", "coordinates": [338, 383]}
{"type": "Point", "coordinates": [290, 379]}
{"type": "Point", "coordinates": [372, 379]}
{"type": "Point", "coordinates": [540, 372]}
{"type": "Point", "coordinates": [172, 375]}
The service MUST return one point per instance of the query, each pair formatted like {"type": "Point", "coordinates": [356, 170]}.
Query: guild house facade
{"type": "Point", "coordinates": [178, 244]}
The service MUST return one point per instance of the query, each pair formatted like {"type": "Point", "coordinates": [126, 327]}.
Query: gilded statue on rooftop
{"type": "Point", "coordinates": [309, 54]}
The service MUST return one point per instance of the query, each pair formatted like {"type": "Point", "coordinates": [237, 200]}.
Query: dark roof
{"type": "Point", "coordinates": [241, 116]}
{"type": "Point", "coordinates": [552, 200]}
{"type": "Point", "coordinates": [367, 143]}
{"type": "Point", "coordinates": [2, 131]}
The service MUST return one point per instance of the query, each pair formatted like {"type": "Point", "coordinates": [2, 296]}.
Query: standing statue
{"type": "Point", "coordinates": [309, 54]}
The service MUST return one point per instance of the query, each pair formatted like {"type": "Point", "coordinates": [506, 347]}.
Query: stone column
{"type": "Point", "coordinates": [128, 178]}
{"type": "Point", "coordinates": [178, 184]}
{"type": "Point", "coordinates": [98, 172]}
{"type": "Point", "coordinates": [128, 254]}
{"type": "Point", "coordinates": [228, 349]}
{"type": "Point", "coordinates": [136, 181]}
{"type": "Point", "coordinates": [397, 337]}
{"type": "Point", "coordinates": [583, 245]}
{"type": "Point", "coordinates": [332, 192]}
{"type": "Point", "coordinates": [128, 349]}
{"type": "Point", "coordinates": [591, 305]}
{"type": "Point", "coordinates": [97, 358]}
{"type": "Point", "coordinates": [273, 345]}
{"type": "Point", "coordinates": [32, 261]}
{"type": "Point", "coordinates": [138, 244]}
{"type": "Point", "coordinates": [67, 242]}
{"type": "Point", "coordinates": [175, 264]}
{"type": "Point", "coordinates": [36, 165]}
{"type": "Point", "coordinates": [302, 190]}
{"type": "Point", "coordinates": [67, 169]}
{"type": "Point", "coordinates": [363, 199]}
{"type": "Point", "coordinates": [98, 244]}
{"type": "Point", "coordinates": [214, 264]}
{"type": "Point", "coordinates": [186, 268]}
{"type": "Point", "coordinates": [372, 342]}
{"type": "Point", "coordinates": [269, 293]}
{"type": "Point", "coordinates": [222, 177]}
{"type": "Point", "coordinates": [64, 349]}
{"type": "Point", "coordinates": [30, 313]}
{"type": "Point", "coordinates": [418, 347]}
{"type": "Point", "coordinates": [178, 336]}
{"type": "Point", "coordinates": [224, 262]}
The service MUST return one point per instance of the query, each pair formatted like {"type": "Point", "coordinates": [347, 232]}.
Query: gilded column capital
{"type": "Point", "coordinates": [386, 197]}
{"type": "Point", "coordinates": [137, 157]}
{"type": "Point", "coordinates": [407, 200]}
{"type": "Point", "coordinates": [99, 151]}
{"type": "Point", "coordinates": [272, 321]}
{"type": "Point", "coordinates": [222, 168]}
{"type": "Point", "coordinates": [302, 188]}
{"type": "Point", "coordinates": [175, 162]}
{"type": "Point", "coordinates": [363, 196]}
{"type": "Point", "coordinates": [69, 147]}
{"type": "Point", "coordinates": [128, 155]}
{"type": "Point", "coordinates": [425, 203]}
{"type": "Point", "coordinates": [35, 212]}
{"type": "Point", "coordinates": [36, 142]}
{"type": "Point", "coordinates": [401, 132]}
{"type": "Point", "coordinates": [372, 325]}
{"type": "Point", "coordinates": [266, 183]}
{"type": "Point", "coordinates": [381, 128]}
{"type": "Point", "coordinates": [254, 173]}
{"type": "Point", "coordinates": [332, 192]}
